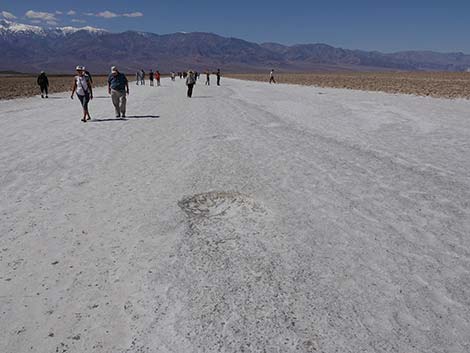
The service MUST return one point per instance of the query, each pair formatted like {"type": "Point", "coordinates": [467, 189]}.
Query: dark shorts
{"type": "Point", "coordinates": [84, 100]}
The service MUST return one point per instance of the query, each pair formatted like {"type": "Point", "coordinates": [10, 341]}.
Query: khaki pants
{"type": "Point", "coordinates": [119, 101]}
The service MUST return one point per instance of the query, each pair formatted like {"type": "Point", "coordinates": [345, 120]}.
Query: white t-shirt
{"type": "Point", "coordinates": [82, 85]}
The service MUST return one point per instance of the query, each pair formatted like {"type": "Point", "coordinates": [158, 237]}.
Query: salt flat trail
{"type": "Point", "coordinates": [251, 218]}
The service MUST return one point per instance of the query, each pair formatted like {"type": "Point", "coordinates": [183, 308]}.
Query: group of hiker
{"type": "Point", "coordinates": [118, 89]}
{"type": "Point", "coordinates": [118, 86]}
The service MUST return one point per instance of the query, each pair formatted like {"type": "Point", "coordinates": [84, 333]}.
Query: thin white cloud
{"type": "Point", "coordinates": [133, 14]}
{"type": "Point", "coordinates": [52, 23]}
{"type": "Point", "coordinates": [71, 13]}
{"type": "Point", "coordinates": [109, 14]}
{"type": "Point", "coordinates": [41, 16]}
{"type": "Point", "coordinates": [76, 20]}
{"type": "Point", "coordinates": [7, 15]}
{"type": "Point", "coordinates": [59, 12]}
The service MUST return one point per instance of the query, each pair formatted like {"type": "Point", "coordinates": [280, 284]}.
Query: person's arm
{"type": "Point", "coordinates": [127, 86]}
{"type": "Point", "coordinates": [47, 82]}
{"type": "Point", "coordinates": [74, 87]}
{"type": "Point", "coordinates": [109, 86]}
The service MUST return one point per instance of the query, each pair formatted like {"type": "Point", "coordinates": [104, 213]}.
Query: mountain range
{"type": "Point", "coordinates": [29, 48]}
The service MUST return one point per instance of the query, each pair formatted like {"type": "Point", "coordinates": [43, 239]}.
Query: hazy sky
{"type": "Point", "coordinates": [361, 24]}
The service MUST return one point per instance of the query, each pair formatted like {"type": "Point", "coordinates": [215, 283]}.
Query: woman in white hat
{"type": "Point", "coordinates": [82, 85]}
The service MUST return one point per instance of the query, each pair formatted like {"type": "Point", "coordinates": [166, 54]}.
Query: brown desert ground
{"type": "Point", "coordinates": [435, 84]}
{"type": "Point", "coordinates": [26, 86]}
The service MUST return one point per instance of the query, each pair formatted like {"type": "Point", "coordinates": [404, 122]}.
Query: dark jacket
{"type": "Point", "coordinates": [42, 80]}
{"type": "Point", "coordinates": [118, 82]}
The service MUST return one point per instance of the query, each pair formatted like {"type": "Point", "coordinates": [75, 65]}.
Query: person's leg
{"type": "Point", "coordinates": [82, 102]}
{"type": "Point", "coordinates": [123, 103]}
{"type": "Point", "coordinates": [46, 90]}
{"type": "Point", "coordinates": [115, 99]}
{"type": "Point", "coordinates": [85, 107]}
{"type": "Point", "coordinates": [191, 90]}
{"type": "Point", "coordinates": [42, 91]}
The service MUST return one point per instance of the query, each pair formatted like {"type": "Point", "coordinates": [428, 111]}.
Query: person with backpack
{"type": "Point", "coordinates": [118, 88]}
{"type": "Point", "coordinates": [157, 77]}
{"type": "Point", "coordinates": [271, 77]}
{"type": "Point", "coordinates": [218, 77]}
{"type": "Point", "coordinates": [208, 78]}
{"type": "Point", "coordinates": [43, 83]}
{"type": "Point", "coordinates": [82, 85]}
{"type": "Point", "coordinates": [151, 77]}
{"type": "Point", "coordinates": [190, 82]}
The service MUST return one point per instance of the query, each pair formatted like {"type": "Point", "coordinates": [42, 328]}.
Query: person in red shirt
{"type": "Point", "coordinates": [157, 77]}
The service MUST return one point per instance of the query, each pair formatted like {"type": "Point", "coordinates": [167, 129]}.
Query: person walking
{"type": "Point", "coordinates": [142, 77]}
{"type": "Point", "coordinates": [118, 87]}
{"type": "Point", "coordinates": [208, 78]}
{"type": "Point", "coordinates": [158, 77]}
{"type": "Point", "coordinates": [82, 85]}
{"type": "Point", "coordinates": [151, 77]}
{"type": "Point", "coordinates": [218, 77]}
{"type": "Point", "coordinates": [271, 77]}
{"type": "Point", "coordinates": [43, 83]}
{"type": "Point", "coordinates": [173, 75]}
{"type": "Point", "coordinates": [137, 78]}
{"type": "Point", "coordinates": [190, 81]}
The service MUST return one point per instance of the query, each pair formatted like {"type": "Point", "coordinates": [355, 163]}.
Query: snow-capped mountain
{"type": "Point", "coordinates": [13, 28]}
{"type": "Point", "coordinates": [29, 48]}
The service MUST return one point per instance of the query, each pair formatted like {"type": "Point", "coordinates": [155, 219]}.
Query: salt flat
{"type": "Point", "coordinates": [251, 218]}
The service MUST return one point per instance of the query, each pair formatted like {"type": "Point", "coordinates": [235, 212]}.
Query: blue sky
{"type": "Point", "coordinates": [362, 24]}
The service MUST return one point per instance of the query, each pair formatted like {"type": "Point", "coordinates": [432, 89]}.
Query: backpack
{"type": "Point", "coordinates": [89, 76]}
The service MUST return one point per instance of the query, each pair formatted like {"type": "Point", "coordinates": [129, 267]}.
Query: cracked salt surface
{"type": "Point", "coordinates": [262, 219]}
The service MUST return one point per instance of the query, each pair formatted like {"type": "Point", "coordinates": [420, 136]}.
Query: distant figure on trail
{"type": "Point", "coordinates": [184, 74]}
{"type": "Point", "coordinates": [173, 75]}
{"type": "Point", "coordinates": [196, 76]}
{"type": "Point", "coordinates": [142, 77]}
{"type": "Point", "coordinates": [82, 85]}
{"type": "Point", "coordinates": [218, 77]}
{"type": "Point", "coordinates": [190, 82]}
{"type": "Point", "coordinates": [208, 78]}
{"type": "Point", "coordinates": [43, 83]}
{"type": "Point", "coordinates": [118, 86]}
{"type": "Point", "coordinates": [271, 77]}
{"type": "Point", "coordinates": [157, 77]}
{"type": "Point", "coordinates": [151, 77]}
{"type": "Point", "coordinates": [137, 78]}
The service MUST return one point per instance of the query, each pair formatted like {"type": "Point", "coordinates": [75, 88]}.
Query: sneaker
{"type": "Point", "coordinates": [84, 120]}
{"type": "Point", "coordinates": [47, 97]}
{"type": "Point", "coordinates": [123, 115]}
{"type": "Point", "coordinates": [118, 115]}
{"type": "Point", "coordinates": [42, 96]}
